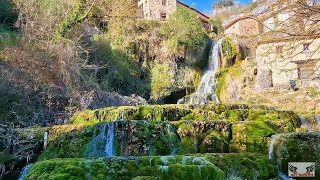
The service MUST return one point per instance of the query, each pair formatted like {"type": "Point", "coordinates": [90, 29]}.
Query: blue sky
{"type": "Point", "coordinates": [205, 5]}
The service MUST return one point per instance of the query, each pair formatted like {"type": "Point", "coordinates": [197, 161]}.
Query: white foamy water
{"type": "Point", "coordinates": [109, 140]}
{"type": "Point", "coordinates": [271, 147]}
{"type": "Point", "coordinates": [281, 175]}
{"type": "Point", "coordinates": [24, 172]}
{"type": "Point", "coordinates": [207, 88]}
{"type": "Point", "coordinates": [318, 120]}
{"type": "Point", "coordinates": [305, 123]}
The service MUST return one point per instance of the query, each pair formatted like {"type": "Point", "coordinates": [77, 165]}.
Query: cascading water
{"type": "Point", "coordinates": [305, 123]}
{"type": "Point", "coordinates": [24, 172]}
{"type": "Point", "coordinates": [318, 120]}
{"type": "Point", "coordinates": [109, 141]}
{"type": "Point", "coordinates": [208, 84]}
{"type": "Point", "coordinates": [95, 148]}
{"type": "Point", "coordinates": [271, 148]}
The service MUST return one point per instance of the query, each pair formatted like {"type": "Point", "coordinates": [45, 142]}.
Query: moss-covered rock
{"type": "Point", "coordinates": [199, 129]}
{"type": "Point", "coordinates": [206, 166]}
{"type": "Point", "coordinates": [204, 136]}
{"type": "Point", "coordinates": [254, 133]}
{"type": "Point", "coordinates": [131, 138]}
{"type": "Point", "coordinates": [154, 112]}
{"type": "Point", "coordinates": [297, 147]}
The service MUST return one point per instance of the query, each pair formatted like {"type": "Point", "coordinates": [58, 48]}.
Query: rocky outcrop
{"type": "Point", "coordinates": [165, 130]}
{"type": "Point", "coordinates": [296, 147]}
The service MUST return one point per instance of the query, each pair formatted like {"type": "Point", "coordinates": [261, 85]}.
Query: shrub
{"type": "Point", "coordinates": [184, 29]}
{"type": "Point", "coordinates": [161, 81]}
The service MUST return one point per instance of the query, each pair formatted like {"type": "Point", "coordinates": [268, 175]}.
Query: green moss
{"type": "Point", "coordinates": [69, 144]}
{"type": "Point", "coordinates": [205, 166]}
{"type": "Point", "coordinates": [58, 169]}
{"type": "Point", "coordinates": [204, 136]}
{"type": "Point", "coordinates": [297, 147]}
{"type": "Point", "coordinates": [154, 112]}
{"type": "Point", "coordinates": [77, 14]}
{"type": "Point", "coordinates": [230, 52]}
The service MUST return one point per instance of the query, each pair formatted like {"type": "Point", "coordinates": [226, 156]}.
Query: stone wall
{"type": "Point", "coordinates": [285, 57]}
{"type": "Point", "coordinates": [158, 9]}
{"type": "Point", "coordinates": [243, 26]}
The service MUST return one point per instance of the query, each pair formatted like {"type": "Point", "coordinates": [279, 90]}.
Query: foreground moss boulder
{"type": "Point", "coordinates": [204, 136]}
{"type": "Point", "coordinates": [254, 133]}
{"type": "Point", "coordinates": [296, 147]}
{"type": "Point", "coordinates": [206, 166]}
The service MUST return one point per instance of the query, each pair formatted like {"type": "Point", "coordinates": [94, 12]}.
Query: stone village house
{"type": "Point", "coordinates": [279, 57]}
{"type": "Point", "coordinates": [161, 10]}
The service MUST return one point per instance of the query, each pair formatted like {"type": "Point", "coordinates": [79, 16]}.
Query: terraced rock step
{"type": "Point", "coordinates": [193, 167]}
{"type": "Point", "coordinates": [167, 130]}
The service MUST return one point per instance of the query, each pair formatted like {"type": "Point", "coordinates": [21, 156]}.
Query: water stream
{"type": "Point", "coordinates": [94, 148]}
{"type": "Point", "coordinates": [318, 120]}
{"type": "Point", "coordinates": [24, 172]}
{"type": "Point", "coordinates": [305, 123]}
{"type": "Point", "coordinates": [281, 175]}
{"type": "Point", "coordinates": [207, 88]}
{"type": "Point", "coordinates": [109, 140]}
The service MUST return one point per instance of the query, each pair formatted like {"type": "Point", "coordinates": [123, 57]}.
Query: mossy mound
{"type": "Point", "coordinates": [204, 136]}
{"type": "Point", "coordinates": [297, 147]}
{"type": "Point", "coordinates": [206, 166]}
{"type": "Point", "coordinates": [173, 129]}
{"type": "Point", "coordinates": [254, 133]}
{"type": "Point", "coordinates": [183, 112]}
{"type": "Point", "coordinates": [131, 138]}
{"type": "Point", "coordinates": [154, 112]}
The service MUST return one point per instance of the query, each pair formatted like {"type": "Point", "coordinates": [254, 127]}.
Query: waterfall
{"type": "Point", "coordinates": [271, 148]}
{"type": "Point", "coordinates": [208, 82]}
{"type": "Point", "coordinates": [305, 123]}
{"type": "Point", "coordinates": [24, 172]}
{"type": "Point", "coordinates": [101, 145]}
{"type": "Point", "coordinates": [318, 120]}
{"type": "Point", "coordinates": [109, 141]}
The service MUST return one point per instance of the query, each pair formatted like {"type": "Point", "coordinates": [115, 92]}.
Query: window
{"type": "Point", "coordinates": [279, 49]}
{"type": "Point", "coordinates": [164, 2]}
{"type": "Point", "coordinates": [163, 16]}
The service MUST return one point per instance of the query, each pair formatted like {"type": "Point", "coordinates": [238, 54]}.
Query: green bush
{"type": "Point", "coordinates": [161, 81]}
{"type": "Point", "coordinates": [217, 25]}
{"type": "Point", "coordinates": [184, 28]}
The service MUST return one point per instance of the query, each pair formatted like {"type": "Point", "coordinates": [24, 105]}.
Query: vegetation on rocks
{"type": "Point", "coordinates": [212, 166]}
{"type": "Point", "coordinates": [286, 146]}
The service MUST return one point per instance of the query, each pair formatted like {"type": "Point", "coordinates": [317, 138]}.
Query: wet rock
{"type": "Point", "coordinates": [297, 147]}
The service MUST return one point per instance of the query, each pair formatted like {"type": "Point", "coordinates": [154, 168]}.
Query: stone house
{"type": "Point", "coordinates": [268, 16]}
{"type": "Point", "coordinates": [161, 10]}
{"type": "Point", "coordinates": [243, 26]}
{"type": "Point", "coordinates": [286, 59]}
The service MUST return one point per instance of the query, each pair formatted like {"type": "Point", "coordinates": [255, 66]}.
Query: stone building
{"type": "Point", "coordinates": [161, 10]}
{"type": "Point", "coordinates": [288, 59]}
{"type": "Point", "coordinates": [244, 25]}
{"type": "Point", "coordinates": [270, 15]}
{"type": "Point", "coordinates": [157, 9]}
